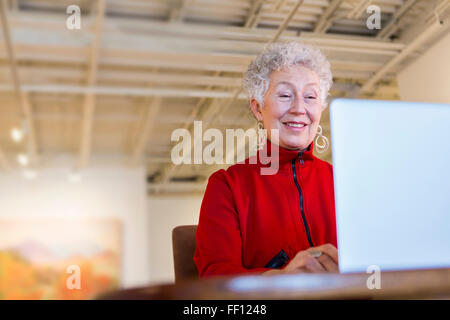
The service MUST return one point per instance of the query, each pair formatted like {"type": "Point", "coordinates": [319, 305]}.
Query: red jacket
{"type": "Point", "coordinates": [247, 218]}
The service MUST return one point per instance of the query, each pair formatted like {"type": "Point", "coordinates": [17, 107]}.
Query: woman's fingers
{"type": "Point", "coordinates": [308, 261]}
{"type": "Point", "coordinates": [328, 263]}
{"type": "Point", "coordinates": [313, 265]}
{"type": "Point", "coordinates": [329, 250]}
{"type": "Point", "coordinates": [303, 261]}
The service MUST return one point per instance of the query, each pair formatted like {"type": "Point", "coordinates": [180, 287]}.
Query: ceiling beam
{"type": "Point", "coordinates": [206, 61]}
{"type": "Point", "coordinates": [326, 19]}
{"type": "Point", "coordinates": [341, 69]}
{"type": "Point", "coordinates": [22, 97]}
{"type": "Point", "coordinates": [89, 99]}
{"type": "Point", "coordinates": [358, 10]}
{"type": "Point", "coordinates": [254, 14]}
{"type": "Point", "coordinates": [123, 91]}
{"type": "Point", "coordinates": [152, 39]}
{"type": "Point", "coordinates": [286, 21]}
{"type": "Point", "coordinates": [149, 120]}
{"type": "Point", "coordinates": [177, 10]}
{"type": "Point", "coordinates": [278, 5]}
{"type": "Point", "coordinates": [137, 78]}
{"type": "Point", "coordinates": [45, 74]}
{"type": "Point", "coordinates": [115, 26]}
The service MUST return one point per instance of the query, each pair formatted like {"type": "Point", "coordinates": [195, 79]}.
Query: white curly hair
{"type": "Point", "coordinates": [277, 56]}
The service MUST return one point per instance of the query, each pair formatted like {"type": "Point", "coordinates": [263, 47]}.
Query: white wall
{"type": "Point", "coordinates": [116, 192]}
{"type": "Point", "coordinates": [427, 79]}
{"type": "Point", "coordinates": [165, 213]}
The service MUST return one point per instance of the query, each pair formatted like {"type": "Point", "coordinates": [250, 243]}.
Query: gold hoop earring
{"type": "Point", "coordinates": [320, 148]}
{"type": "Point", "coordinates": [262, 136]}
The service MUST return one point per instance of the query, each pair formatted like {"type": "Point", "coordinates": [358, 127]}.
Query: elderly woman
{"type": "Point", "coordinates": [285, 222]}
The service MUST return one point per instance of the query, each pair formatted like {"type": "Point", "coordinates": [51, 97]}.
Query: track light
{"type": "Point", "coordinates": [23, 159]}
{"type": "Point", "coordinates": [16, 134]}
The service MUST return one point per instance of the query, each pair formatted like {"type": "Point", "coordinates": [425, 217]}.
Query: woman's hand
{"type": "Point", "coordinates": [304, 261]}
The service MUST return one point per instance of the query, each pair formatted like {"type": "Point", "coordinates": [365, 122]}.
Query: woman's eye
{"type": "Point", "coordinates": [285, 96]}
{"type": "Point", "coordinates": [311, 97]}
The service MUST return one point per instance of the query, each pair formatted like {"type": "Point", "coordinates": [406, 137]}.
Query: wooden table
{"type": "Point", "coordinates": [410, 284]}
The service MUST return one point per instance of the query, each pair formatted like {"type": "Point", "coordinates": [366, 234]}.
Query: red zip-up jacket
{"type": "Point", "coordinates": [247, 218]}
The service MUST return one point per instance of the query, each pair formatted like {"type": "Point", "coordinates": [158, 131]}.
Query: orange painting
{"type": "Point", "coordinates": [37, 258]}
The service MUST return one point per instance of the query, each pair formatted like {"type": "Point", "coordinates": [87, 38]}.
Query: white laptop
{"type": "Point", "coordinates": [392, 184]}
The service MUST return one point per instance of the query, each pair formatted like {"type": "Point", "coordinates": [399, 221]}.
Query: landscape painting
{"type": "Point", "coordinates": [59, 258]}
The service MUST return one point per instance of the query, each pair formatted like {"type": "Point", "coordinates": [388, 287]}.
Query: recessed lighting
{"type": "Point", "coordinates": [16, 134]}
{"type": "Point", "coordinates": [22, 159]}
{"type": "Point", "coordinates": [30, 174]}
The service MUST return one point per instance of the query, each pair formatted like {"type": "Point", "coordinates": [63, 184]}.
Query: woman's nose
{"type": "Point", "coordinates": [298, 106]}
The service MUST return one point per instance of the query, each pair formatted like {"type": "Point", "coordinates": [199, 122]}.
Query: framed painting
{"type": "Point", "coordinates": [59, 258]}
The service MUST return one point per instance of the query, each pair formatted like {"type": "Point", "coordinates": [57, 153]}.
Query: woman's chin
{"type": "Point", "coordinates": [293, 145]}
{"type": "Point", "coordinates": [294, 140]}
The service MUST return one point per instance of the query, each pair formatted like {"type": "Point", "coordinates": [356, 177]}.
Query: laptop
{"type": "Point", "coordinates": [391, 165]}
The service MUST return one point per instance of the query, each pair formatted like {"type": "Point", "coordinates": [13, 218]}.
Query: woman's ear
{"type": "Point", "coordinates": [256, 109]}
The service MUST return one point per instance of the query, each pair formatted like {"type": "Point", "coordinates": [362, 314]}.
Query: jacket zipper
{"type": "Point", "coordinates": [300, 193]}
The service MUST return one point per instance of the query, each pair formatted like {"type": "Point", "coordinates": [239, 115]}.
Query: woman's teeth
{"type": "Point", "coordinates": [295, 125]}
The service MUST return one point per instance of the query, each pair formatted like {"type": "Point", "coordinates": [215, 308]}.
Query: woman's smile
{"type": "Point", "coordinates": [296, 126]}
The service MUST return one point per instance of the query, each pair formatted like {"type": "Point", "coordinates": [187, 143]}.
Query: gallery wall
{"type": "Point", "coordinates": [165, 213]}
{"type": "Point", "coordinates": [427, 79]}
{"type": "Point", "coordinates": [107, 192]}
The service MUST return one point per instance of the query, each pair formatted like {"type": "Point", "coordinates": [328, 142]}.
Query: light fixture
{"type": "Point", "coordinates": [22, 159]}
{"type": "Point", "coordinates": [16, 134]}
{"type": "Point", "coordinates": [30, 174]}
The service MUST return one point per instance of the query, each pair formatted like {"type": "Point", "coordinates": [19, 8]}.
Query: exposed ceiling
{"type": "Point", "coordinates": [137, 70]}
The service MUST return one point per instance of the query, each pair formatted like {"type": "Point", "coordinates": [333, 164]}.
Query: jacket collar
{"type": "Point", "coordinates": [285, 155]}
